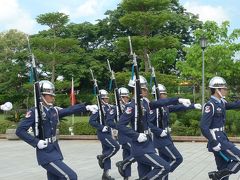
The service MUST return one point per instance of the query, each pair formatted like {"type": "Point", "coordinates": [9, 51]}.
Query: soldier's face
{"type": "Point", "coordinates": [144, 92]}
{"type": "Point", "coordinates": [163, 95]}
{"type": "Point", "coordinates": [125, 99]}
{"type": "Point", "coordinates": [224, 91]}
{"type": "Point", "coordinates": [106, 100]}
{"type": "Point", "coordinates": [49, 98]}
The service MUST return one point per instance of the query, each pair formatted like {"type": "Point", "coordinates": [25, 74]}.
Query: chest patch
{"type": "Point", "coordinates": [219, 110]}
{"type": "Point", "coordinates": [207, 109]}
{"type": "Point", "coordinates": [128, 110]}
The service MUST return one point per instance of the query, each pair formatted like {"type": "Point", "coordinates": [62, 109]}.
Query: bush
{"type": "Point", "coordinates": [64, 127]}
{"type": "Point", "coordinates": [4, 125]}
{"type": "Point", "coordinates": [83, 128]}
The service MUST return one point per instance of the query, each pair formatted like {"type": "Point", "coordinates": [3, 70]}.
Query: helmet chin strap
{"type": "Point", "coordinates": [47, 103]}
{"type": "Point", "coordinates": [220, 94]}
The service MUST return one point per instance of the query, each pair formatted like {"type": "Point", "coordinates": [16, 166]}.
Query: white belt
{"type": "Point", "coordinates": [217, 129]}
{"type": "Point", "coordinates": [51, 139]}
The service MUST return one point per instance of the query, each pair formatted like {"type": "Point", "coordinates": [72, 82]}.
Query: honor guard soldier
{"type": "Point", "coordinates": [124, 166]}
{"type": "Point", "coordinates": [150, 165]}
{"type": "Point", "coordinates": [159, 120]}
{"type": "Point", "coordinates": [227, 155]}
{"type": "Point", "coordinates": [109, 145]}
{"type": "Point", "coordinates": [48, 152]}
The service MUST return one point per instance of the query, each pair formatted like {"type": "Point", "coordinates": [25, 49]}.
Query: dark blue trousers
{"type": "Point", "coordinates": [109, 148]}
{"type": "Point", "coordinates": [127, 156]}
{"type": "Point", "coordinates": [228, 159]}
{"type": "Point", "coordinates": [170, 154]}
{"type": "Point", "coordinates": [152, 166]}
{"type": "Point", "coordinates": [58, 170]}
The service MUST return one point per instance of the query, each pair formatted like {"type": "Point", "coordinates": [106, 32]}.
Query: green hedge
{"type": "Point", "coordinates": [5, 124]}
{"type": "Point", "coordinates": [83, 128]}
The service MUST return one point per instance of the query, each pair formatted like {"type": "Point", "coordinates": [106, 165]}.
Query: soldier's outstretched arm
{"type": "Point", "coordinates": [78, 108]}
{"type": "Point", "coordinates": [232, 105]}
{"type": "Point", "coordinates": [180, 107]}
{"type": "Point", "coordinates": [163, 102]}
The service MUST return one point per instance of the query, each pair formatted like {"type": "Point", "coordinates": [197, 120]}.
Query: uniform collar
{"type": "Point", "coordinates": [216, 99]}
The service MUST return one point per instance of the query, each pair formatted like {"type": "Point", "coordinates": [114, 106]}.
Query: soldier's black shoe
{"type": "Point", "coordinates": [100, 161]}
{"type": "Point", "coordinates": [218, 175]}
{"type": "Point", "coordinates": [119, 165]}
{"type": "Point", "coordinates": [105, 176]}
{"type": "Point", "coordinates": [125, 178]}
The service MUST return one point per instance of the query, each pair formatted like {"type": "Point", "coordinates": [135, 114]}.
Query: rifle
{"type": "Point", "coordinates": [137, 93]}
{"type": "Point", "coordinates": [99, 102]}
{"type": "Point", "coordinates": [40, 115]}
{"type": "Point", "coordinates": [159, 114]}
{"type": "Point", "coordinates": [116, 94]}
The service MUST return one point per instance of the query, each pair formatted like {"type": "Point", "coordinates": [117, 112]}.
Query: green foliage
{"type": "Point", "coordinates": [83, 128]}
{"type": "Point", "coordinates": [64, 127]}
{"type": "Point", "coordinates": [4, 125]}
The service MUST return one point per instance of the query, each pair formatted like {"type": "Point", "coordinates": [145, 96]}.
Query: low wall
{"type": "Point", "coordinates": [10, 135]}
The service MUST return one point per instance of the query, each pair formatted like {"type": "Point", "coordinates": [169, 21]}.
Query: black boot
{"type": "Point", "coordinates": [106, 176]}
{"type": "Point", "coordinates": [119, 165]}
{"type": "Point", "coordinates": [100, 161]}
{"type": "Point", "coordinates": [218, 175]}
{"type": "Point", "coordinates": [125, 178]}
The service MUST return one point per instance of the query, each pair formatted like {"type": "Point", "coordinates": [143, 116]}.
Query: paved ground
{"type": "Point", "coordinates": [17, 161]}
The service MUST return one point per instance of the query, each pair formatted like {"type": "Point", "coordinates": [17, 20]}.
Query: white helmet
{"type": "Point", "coordinates": [46, 87]}
{"type": "Point", "coordinates": [143, 82]}
{"type": "Point", "coordinates": [217, 83]}
{"type": "Point", "coordinates": [123, 92]}
{"type": "Point", "coordinates": [103, 94]}
{"type": "Point", "coordinates": [162, 89]}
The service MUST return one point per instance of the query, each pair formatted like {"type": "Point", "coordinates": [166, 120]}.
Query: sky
{"type": "Point", "coordinates": [21, 14]}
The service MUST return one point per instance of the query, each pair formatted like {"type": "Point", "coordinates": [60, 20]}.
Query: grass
{"type": "Point", "coordinates": [76, 119]}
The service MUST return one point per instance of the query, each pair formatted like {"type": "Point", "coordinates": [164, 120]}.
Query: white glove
{"type": "Point", "coordinates": [164, 133]}
{"type": "Point", "coordinates": [185, 102]}
{"type": "Point", "coordinates": [217, 147]}
{"type": "Point", "coordinates": [92, 108]}
{"type": "Point", "coordinates": [197, 106]}
{"type": "Point", "coordinates": [6, 106]}
{"type": "Point", "coordinates": [105, 129]}
{"type": "Point", "coordinates": [42, 144]}
{"type": "Point", "coordinates": [142, 137]}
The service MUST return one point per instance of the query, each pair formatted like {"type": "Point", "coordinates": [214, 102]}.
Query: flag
{"type": "Point", "coordinates": [72, 95]}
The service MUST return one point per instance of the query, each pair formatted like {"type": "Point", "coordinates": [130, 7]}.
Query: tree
{"type": "Point", "coordinates": [13, 66]}
{"type": "Point", "coordinates": [219, 55]}
{"type": "Point", "coordinates": [56, 22]}
{"type": "Point", "coordinates": [157, 25]}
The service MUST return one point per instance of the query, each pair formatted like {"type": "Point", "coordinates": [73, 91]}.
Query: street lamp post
{"type": "Point", "coordinates": [203, 44]}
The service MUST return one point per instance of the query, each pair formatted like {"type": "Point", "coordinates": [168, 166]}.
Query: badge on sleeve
{"type": "Point", "coordinates": [28, 114]}
{"type": "Point", "coordinates": [207, 109]}
{"type": "Point", "coordinates": [128, 110]}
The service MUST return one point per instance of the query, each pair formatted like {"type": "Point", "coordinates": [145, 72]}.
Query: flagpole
{"type": "Point", "coordinates": [72, 103]}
